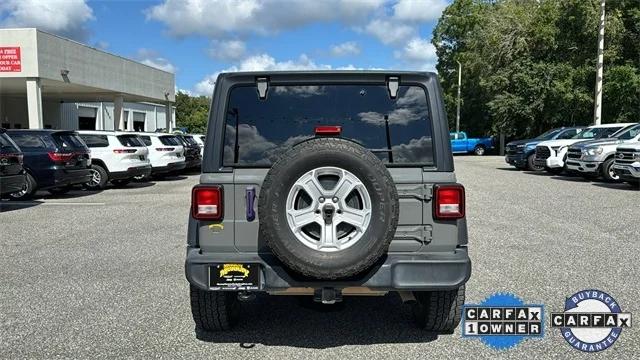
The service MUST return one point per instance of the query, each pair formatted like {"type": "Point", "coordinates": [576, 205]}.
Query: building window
{"type": "Point", "coordinates": [138, 121]}
{"type": "Point", "coordinates": [86, 118]}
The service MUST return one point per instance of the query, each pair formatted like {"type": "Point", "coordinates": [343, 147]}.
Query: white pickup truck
{"type": "Point", "coordinates": [627, 163]}
{"type": "Point", "coordinates": [595, 158]}
{"type": "Point", "coordinates": [553, 154]}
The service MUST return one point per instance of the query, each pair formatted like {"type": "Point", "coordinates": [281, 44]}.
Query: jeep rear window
{"type": "Point", "coordinates": [397, 130]}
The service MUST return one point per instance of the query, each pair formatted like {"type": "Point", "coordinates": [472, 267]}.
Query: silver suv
{"type": "Point", "coordinates": [327, 184]}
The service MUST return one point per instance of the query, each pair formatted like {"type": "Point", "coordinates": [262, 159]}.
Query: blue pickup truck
{"type": "Point", "coordinates": [461, 144]}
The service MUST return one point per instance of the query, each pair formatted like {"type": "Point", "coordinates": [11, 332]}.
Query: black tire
{"type": "Point", "coordinates": [60, 190]}
{"type": "Point", "coordinates": [103, 179]}
{"type": "Point", "coordinates": [120, 183]}
{"type": "Point", "coordinates": [30, 188]}
{"type": "Point", "coordinates": [214, 310]}
{"type": "Point", "coordinates": [531, 165]}
{"type": "Point", "coordinates": [479, 150]}
{"type": "Point", "coordinates": [607, 173]}
{"type": "Point", "coordinates": [438, 311]}
{"type": "Point", "coordinates": [292, 165]}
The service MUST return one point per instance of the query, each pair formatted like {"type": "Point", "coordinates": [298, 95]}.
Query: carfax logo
{"type": "Point", "coordinates": [592, 320]}
{"type": "Point", "coordinates": [502, 321]}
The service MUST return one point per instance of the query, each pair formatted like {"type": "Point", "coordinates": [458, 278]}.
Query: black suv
{"type": "Point", "coordinates": [54, 160]}
{"type": "Point", "coordinates": [12, 175]}
{"type": "Point", "coordinates": [192, 156]}
{"type": "Point", "coordinates": [328, 184]}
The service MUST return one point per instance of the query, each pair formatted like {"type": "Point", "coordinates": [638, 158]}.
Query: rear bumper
{"type": "Point", "coordinates": [428, 271]}
{"type": "Point", "coordinates": [516, 160]}
{"type": "Point", "coordinates": [131, 172]}
{"type": "Point", "coordinates": [64, 177]}
{"type": "Point", "coordinates": [583, 166]}
{"type": "Point", "coordinates": [12, 183]}
{"type": "Point", "coordinates": [169, 168]}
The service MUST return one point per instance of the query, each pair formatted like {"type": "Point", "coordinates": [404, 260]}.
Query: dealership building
{"type": "Point", "coordinates": [47, 81]}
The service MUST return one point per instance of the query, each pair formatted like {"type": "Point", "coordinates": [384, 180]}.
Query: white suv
{"type": "Point", "coordinates": [166, 152]}
{"type": "Point", "coordinates": [116, 156]}
{"type": "Point", "coordinates": [553, 154]}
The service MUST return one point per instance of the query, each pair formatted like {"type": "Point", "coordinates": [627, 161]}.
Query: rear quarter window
{"type": "Point", "coordinates": [95, 141]}
{"type": "Point", "coordinates": [398, 130]}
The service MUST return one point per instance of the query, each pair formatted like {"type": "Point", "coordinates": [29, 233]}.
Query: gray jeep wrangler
{"type": "Point", "coordinates": [327, 184]}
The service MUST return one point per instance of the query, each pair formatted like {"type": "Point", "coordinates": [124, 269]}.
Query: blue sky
{"type": "Point", "coordinates": [197, 39]}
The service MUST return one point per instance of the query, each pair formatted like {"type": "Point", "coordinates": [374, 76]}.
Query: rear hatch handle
{"type": "Point", "coordinates": [250, 197]}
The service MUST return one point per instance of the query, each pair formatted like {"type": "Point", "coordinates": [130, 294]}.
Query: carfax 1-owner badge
{"type": "Point", "coordinates": [592, 320]}
{"type": "Point", "coordinates": [502, 321]}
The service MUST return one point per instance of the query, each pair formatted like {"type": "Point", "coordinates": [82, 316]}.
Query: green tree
{"type": "Point", "coordinates": [529, 65]}
{"type": "Point", "coordinates": [192, 112]}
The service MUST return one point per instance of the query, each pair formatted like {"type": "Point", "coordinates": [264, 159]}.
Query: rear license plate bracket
{"type": "Point", "coordinates": [234, 276]}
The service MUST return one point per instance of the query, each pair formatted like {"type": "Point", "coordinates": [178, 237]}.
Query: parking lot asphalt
{"type": "Point", "coordinates": [101, 275]}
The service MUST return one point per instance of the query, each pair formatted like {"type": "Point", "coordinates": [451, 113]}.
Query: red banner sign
{"type": "Point", "coordinates": [10, 59]}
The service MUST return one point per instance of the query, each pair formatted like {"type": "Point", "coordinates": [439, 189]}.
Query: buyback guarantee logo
{"type": "Point", "coordinates": [502, 321]}
{"type": "Point", "coordinates": [592, 320]}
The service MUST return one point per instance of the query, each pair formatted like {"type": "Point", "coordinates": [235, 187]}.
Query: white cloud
{"type": "Point", "coordinates": [152, 58]}
{"type": "Point", "coordinates": [206, 85]}
{"type": "Point", "coordinates": [227, 50]}
{"type": "Point", "coordinates": [345, 49]}
{"type": "Point", "coordinates": [419, 10]}
{"type": "Point", "coordinates": [262, 62]}
{"type": "Point", "coordinates": [67, 18]}
{"type": "Point", "coordinates": [389, 32]}
{"type": "Point", "coordinates": [417, 50]}
{"type": "Point", "coordinates": [219, 17]}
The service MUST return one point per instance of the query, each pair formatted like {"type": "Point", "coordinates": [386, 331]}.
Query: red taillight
{"type": "Point", "coordinates": [448, 202]}
{"type": "Point", "coordinates": [57, 156]}
{"type": "Point", "coordinates": [206, 203]}
{"type": "Point", "coordinates": [124, 151]}
{"type": "Point", "coordinates": [328, 130]}
{"type": "Point", "coordinates": [165, 149]}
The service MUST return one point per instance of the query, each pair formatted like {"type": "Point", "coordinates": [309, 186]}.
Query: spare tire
{"type": "Point", "coordinates": [328, 208]}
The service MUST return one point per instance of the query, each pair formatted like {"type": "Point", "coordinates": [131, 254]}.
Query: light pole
{"type": "Point", "coordinates": [459, 86]}
{"type": "Point", "coordinates": [597, 110]}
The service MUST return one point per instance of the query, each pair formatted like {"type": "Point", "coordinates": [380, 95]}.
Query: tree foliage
{"type": "Point", "coordinates": [192, 112]}
{"type": "Point", "coordinates": [529, 65]}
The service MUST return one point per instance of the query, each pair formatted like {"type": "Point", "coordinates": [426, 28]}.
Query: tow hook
{"type": "Point", "coordinates": [327, 295]}
{"type": "Point", "coordinates": [246, 296]}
